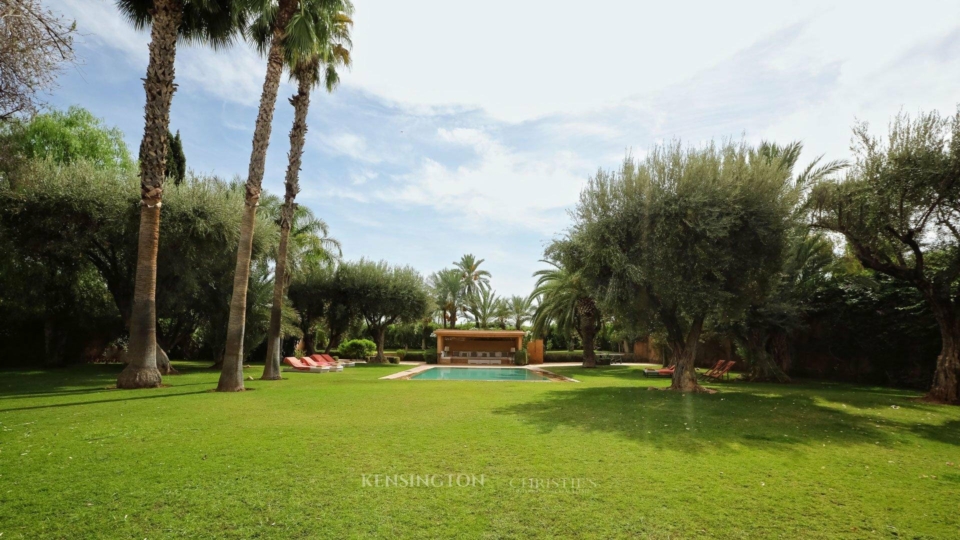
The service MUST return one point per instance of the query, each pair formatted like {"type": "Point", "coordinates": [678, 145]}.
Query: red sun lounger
{"type": "Point", "coordinates": [297, 365]}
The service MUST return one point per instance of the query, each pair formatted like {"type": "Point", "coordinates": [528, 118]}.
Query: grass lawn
{"type": "Point", "coordinates": [286, 460]}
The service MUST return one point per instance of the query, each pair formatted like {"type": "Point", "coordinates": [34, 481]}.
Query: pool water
{"type": "Point", "coordinates": [478, 374]}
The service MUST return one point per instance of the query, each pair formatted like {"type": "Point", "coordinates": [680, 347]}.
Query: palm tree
{"type": "Point", "coordinates": [447, 290]}
{"type": "Point", "coordinates": [521, 308]}
{"type": "Point", "coordinates": [502, 312]}
{"type": "Point", "coordinates": [472, 280]}
{"type": "Point", "coordinates": [483, 307]}
{"type": "Point", "coordinates": [214, 22]}
{"type": "Point", "coordinates": [286, 29]}
{"type": "Point", "coordinates": [331, 53]}
{"type": "Point", "coordinates": [566, 301]}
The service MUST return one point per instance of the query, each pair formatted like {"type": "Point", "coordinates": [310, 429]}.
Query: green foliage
{"type": "Point", "coordinates": [67, 137]}
{"type": "Point", "coordinates": [309, 245]}
{"type": "Point", "coordinates": [78, 215]}
{"type": "Point", "coordinates": [357, 349]}
{"type": "Point", "coordinates": [899, 209]}
{"type": "Point", "coordinates": [520, 310]}
{"type": "Point", "coordinates": [563, 356]}
{"type": "Point", "coordinates": [176, 160]}
{"type": "Point", "coordinates": [560, 291]}
{"type": "Point", "coordinates": [429, 356]}
{"type": "Point", "coordinates": [214, 23]}
{"type": "Point", "coordinates": [383, 295]}
{"type": "Point", "coordinates": [446, 288]}
{"type": "Point", "coordinates": [520, 357]}
{"type": "Point", "coordinates": [684, 235]}
{"type": "Point", "coordinates": [472, 278]}
{"type": "Point", "coordinates": [484, 306]}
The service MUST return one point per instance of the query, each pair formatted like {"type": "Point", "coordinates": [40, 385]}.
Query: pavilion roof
{"type": "Point", "coordinates": [479, 333]}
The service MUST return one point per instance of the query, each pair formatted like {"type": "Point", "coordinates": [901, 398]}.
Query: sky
{"type": "Point", "coordinates": [471, 127]}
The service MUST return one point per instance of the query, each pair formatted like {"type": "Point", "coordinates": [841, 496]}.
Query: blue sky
{"type": "Point", "coordinates": [472, 127]}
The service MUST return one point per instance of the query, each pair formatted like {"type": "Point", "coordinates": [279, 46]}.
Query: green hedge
{"type": "Point", "coordinates": [563, 356]}
{"type": "Point", "coordinates": [414, 356]}
{"type": "Point", "coordinates": [577, 356]}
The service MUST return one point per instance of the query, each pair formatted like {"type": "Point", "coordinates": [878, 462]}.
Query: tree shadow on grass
{"type": "Point", "coordinates": [72, 380]}
{"type": "Point", "coordinates": [758, 417]}
{"type": "Point", "coordinates": [123, 396]}
{"type": "Point", "coordinates": [80, 391]}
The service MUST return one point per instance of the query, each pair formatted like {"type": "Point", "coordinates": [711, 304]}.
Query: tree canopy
{"type": "Point", "coordinates": [898, 209]}
{"type": "Point", "coordinates": [689, 233]}
{"type": "Point", "coordinates": [383, 295]}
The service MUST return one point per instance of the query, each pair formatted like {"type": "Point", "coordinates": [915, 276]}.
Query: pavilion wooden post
{"type": "Point", "coordinates": [535, 351]}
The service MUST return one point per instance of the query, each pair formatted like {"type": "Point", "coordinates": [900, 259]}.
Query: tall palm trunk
{"type": "Point", "coordinates": [231, 375]}
{"type": "Point", "coordinates": [587, 314]}
{"type": "Point", "coordinates": [142, 370]}
{"type": "Point", "coordinates": [301, 103]}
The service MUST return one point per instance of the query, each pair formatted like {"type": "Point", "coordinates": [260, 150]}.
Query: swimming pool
{"type": "Point", "coordinates": [478, 374]}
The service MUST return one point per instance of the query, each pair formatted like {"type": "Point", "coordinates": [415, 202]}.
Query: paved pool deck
{"type": "Point", "coordinates": [420, 366]}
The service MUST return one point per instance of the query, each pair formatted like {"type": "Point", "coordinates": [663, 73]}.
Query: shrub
{"type": "Point", "coordinates": [430, 356]}
{"type": "Point", "coordinates": [563, 356]}
{"type": "Point", "coordinates": [357, 349]}
{"type": "Point", "coordinates": [520, 357]}
{"type": "Point", "coordinates": [393, 359]}
{"type": "Point", "coordinates": [401, 356]}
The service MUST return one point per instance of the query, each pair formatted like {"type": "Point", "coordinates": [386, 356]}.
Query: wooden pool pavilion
{"type": "Point", "coordinates": [478, 347]}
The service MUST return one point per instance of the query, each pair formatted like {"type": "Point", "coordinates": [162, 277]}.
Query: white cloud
{"type": "Point", "coordinates": [348, 144]}
{"type": "Point", "coordinates": [504, 189]}
{"type": "Point", "coordinates": [551, 57]}
{"type": "Point", "coordinates": [358, 178]}
{"type": "Point", "coordinates": [235, 74]}
{"type": "Point", "coordinates": [348, 194]}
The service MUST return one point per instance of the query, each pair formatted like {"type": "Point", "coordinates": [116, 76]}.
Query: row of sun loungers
{"type": "Point", "coordinates": [721, 369]}
{"type": "Point", "coordinates": [316, 363]}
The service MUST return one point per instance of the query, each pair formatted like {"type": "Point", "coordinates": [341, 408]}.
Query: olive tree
{"type": "Point", "coordinates": [36, 44]}
{"type": "Point", "coordinates": [898, 209]}
{"type": "Point", "coordinates": [383, 295]}
{"type": "Point", "coordinates": [70, 215]}
{"type": "Point", "coordinates": [690, 234]}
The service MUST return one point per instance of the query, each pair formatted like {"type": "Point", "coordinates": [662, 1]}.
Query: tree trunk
{"type": "Point", "coordinates": [53, 342]}
{"type": "Point", "coordinates": [780, 346]}
{"type": "Point", "coordinates": [142, 371]}
{"type": "Point", "coordinates": [298, 133]}
{"type": "Point", "coordinates": [381, 337]}
{"type": "Point", "coordinates": [310, 343]}
{"type": "Point", "coordinates": [231, 376]}
{"type": "Point", "coordinates": [684, 358]}
{"type": "Point", "coordinates": [588, 332]}
{"type": "Point", "coordinates": [762, 367]}
{"type": "Point", "coordinates": [271, 365]}
{"type": "Point", "coordinates": [333, 342]}
{"type": "Point", "coordinates": [231, 373]}
{"type": "Point", "coordinates": [163, 362]}
{"type": "Point", "coordinates": [946, 377]}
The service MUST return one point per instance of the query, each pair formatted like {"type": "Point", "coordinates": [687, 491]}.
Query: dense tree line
{"type": "Point", "coordinates": [788, 266]}
{"type": "Point", "coordinates": [733, 241]}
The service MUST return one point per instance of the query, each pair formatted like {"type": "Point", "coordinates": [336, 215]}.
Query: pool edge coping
{"type": "Point", "coordinates": [407, 374]}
